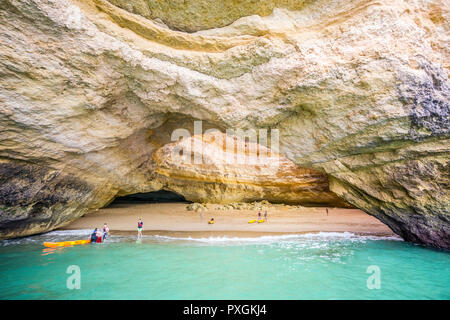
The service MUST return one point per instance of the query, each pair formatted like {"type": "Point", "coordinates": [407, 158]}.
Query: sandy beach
{"type": "Point", "coordinates": [174, 219]}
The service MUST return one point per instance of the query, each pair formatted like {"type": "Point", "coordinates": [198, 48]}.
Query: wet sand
{"type": "Point", "coordinates": [173, 219]}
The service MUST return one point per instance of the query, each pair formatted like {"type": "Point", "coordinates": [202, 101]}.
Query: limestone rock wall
{"type": "Point", "coordinates": [196, 15]}
{"type": "Point", "coordinates": [211, 173]}
{"type": "Point", "coordinates": [358, 89]}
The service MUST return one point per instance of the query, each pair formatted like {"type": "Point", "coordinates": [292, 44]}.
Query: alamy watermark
{"type": "Point", "coordinates": [374, 280]}
{"type": "Point", "coordinates": [74, 280]}
{"type": "Point", "coordinates": [236, 146]}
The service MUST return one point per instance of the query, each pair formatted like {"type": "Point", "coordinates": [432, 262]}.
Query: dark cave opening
{"type": "Point", "coordinates": [160, 196]}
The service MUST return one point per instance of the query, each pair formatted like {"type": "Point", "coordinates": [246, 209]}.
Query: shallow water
{"type": "Point", "coordinates": [309, 266]}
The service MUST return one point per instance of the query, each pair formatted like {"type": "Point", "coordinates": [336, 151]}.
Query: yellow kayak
{"type": "Point", "coordinates": [261, 221]}
{"type": "Point", "coordinates": [65, 243]}
{"type": "Point", "coordinates": [252, 221]}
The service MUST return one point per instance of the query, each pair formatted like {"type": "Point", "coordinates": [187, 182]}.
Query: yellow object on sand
{"type": "Point", "coordinates": [65, 243]}
{"type": "Point", "coordinates": [261, 221]}
{"type": "Point", "coordinates": [211, 222]}
{"type": "Point", "coordinates": [252, 221]}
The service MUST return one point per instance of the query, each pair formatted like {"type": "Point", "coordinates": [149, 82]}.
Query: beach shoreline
{"type": "Point", "coordinates": [173, 219]}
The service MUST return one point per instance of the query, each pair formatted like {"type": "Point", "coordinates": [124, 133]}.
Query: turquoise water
{"type": "Point", "coordinates": [312, 266]}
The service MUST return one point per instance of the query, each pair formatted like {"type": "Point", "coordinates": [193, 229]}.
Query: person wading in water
{"type": "Point", "coordinates": [94, 236]}
{"type": "Point", "coordinates": [105, 231]}
{"type": "Point", "coordinates": [140, 225]}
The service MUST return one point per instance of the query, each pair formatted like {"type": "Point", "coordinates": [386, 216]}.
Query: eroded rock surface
{"type": "Point", "coordinates": [359, 90]}
{"type": "Point", "coordinates": [211, 173]}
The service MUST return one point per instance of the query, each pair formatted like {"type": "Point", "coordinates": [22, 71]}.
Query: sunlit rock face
{"type": "Point", "coordinates": [90, 92]}
{"type": "Point", "coordinates": [205, 168]}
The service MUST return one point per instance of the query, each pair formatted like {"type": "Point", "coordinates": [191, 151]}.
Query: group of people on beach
{"type": "Point", "coordinates": [265, 215]}
{"type": "Point", "coordinates": [211, 221]}
{"type": "Point", "coordinates": [99, 236]}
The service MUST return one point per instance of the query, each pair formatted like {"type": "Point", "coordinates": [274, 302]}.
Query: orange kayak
{"type": "Point", "coordinates": [65, 243]}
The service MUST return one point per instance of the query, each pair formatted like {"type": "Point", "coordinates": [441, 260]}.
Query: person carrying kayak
{"type": "Point", "coordinates": [140, 225]}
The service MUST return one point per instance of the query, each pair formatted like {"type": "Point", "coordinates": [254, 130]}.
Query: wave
{"type": "Point", "coordinates": [64, 235]}
{"type": "Point", "coordinates": [79, 232]}
{"type": "Point", "coordinates": [58, 235]}
{"type": "Point", "coordinates": [313, 236]}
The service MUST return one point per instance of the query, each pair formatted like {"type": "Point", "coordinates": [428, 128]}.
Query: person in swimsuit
{"type": "Point", "coordinates": [265, 215]}
{"type": "Point", "coordinates": [99, 236]}
{"type": "Point", "coordinates": [140, 225]}
{"type": "Point", "coordinates": [105, 231]}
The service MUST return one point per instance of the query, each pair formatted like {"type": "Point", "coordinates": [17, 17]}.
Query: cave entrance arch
{"type": "Point", "coordinates": [161, 196]}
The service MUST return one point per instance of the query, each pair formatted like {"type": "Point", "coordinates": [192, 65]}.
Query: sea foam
{"type": "Point", "coordinates": [64, 235]}
{"type": "Point", "coordinates": [272, 238]}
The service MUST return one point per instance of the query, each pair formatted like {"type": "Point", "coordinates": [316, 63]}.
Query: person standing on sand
{"type": "Point", "coordinates": [265, 216]}
{"type": "Point", "coordinates": [105, 231]}
{"type": "Point", "coordinates": [326, 210]}
{"type": "Point", "coordinates": [140, 225]}
{"type": "Point", "coordinates": [259, 215]}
